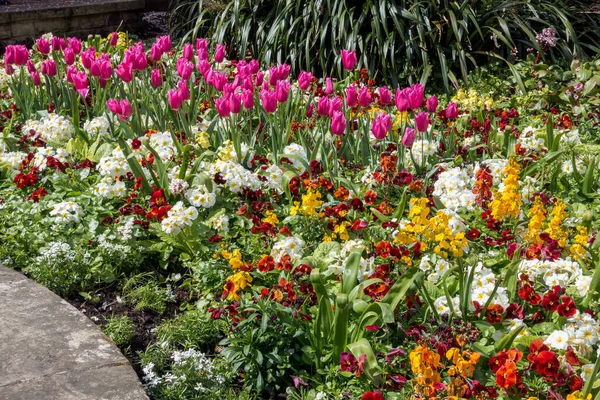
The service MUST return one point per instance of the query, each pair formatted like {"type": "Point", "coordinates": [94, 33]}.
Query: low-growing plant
{"type": "Point", "coordinates": [144, 293]}
{"type": "Point", "coordinates": [119, 329]}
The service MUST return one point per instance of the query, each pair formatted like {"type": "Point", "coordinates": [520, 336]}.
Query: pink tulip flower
{"type": "Point", "coordinates": [349, 59]}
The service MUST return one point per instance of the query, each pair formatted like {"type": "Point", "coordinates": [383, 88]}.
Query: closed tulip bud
{"type": "Point", "coordinates": [58, 43]}
{"type": "Point", "coordinates": [87, 57]}
{"type": "Point", "coordinates": [188, 52]}
{"type": "Point", "coordinates": [30, 66]}
{"type": "Point", "coordinates": [409, 137]}
{"type": "Point", "coordinates": [351, 96]}
{"type": "Point", "coordinates": [36, 78]}
{"type": "Point", "coordinates": [49, 68]}
{"type": "Point", "coordinates": [338, 123]}
{"type": "Point", "coordinates": [155, 52]}
{"type": "Point", "coordinates": [248, 98]}
{"type": "Point", "coordinates": [114, 106]}
{"type": "Point", "coordinates": [349, 59]}
{"type": "Point", "coordinates": [184, 68]}
{"type": "Point", "coordinates": [451, 111]}
{"type": "Point", "coordinates": [165, 43]}
{"type": "Point", "coordinates": [254, 66]}
{"type": "Point", "coordinates": [235, 103]}
{"type": "Point", "coordinates": [364, 97]}
{"type": "Point", "coordinates": [9, 55]}
{"type": "Point", "coordinates": [126, 110]}
{"type": "Point", "coordinates": [268, 99]}
{"type": "Point", "coordinates": [385, 96]}
{"type": "Point", "coordinates": [71, 69]}
{"type": "Point", "coordinates": [201, 44]}
{"type": "Point", "coordinates": [310, 110]}
{"type": "Point", "coordinates": [328, 86]}
{"type": "Point", "coordinates": [219, 80]}
{"type": "Point", "coordinates": [80, 81]}
{"type": "Point", "coordinates": [202, 54]}
{"type": "Point", "coordinates": [156, 78]}
{"type": "Point", "coordinates": [401, 100]}
{"type": "Point", "coordinates": [175, 99]}
{"type": "Point", "coordinates": [20, 55]}
{"type": "Point", "coordinates": [74, 44]}
{"type": "Point", "coordinates": [220, 53]}
{"type": "Point", "coordinates": [432, 104]}
{"type": "Point", "coordinates": [335, 105]}
{"type": "Point", "coordinates": [43, 45]}
{"type": "Point", "coordinates": [382, 124]}
{"type": "Point", "coordinates": [69, 56]}
{"type": "Point", "coordinates": [283, 71]}
{"type": "Point", "coordinates": [222, 106]}
{"type": "Point", "coordinates": [203, 67]}
{"type": "Point", "coordinates": [182, 87]}
{"type": "Point", "coordinates": [114, 37]}
{"type": "Point", "coordinates": [323, 106]}
{"type": "Point", "coordinates": [422, 121]}
{"type": "Point", "coordinates": [248, 84]}
{"type": "Point", "coordinates": [125, 72]}
{"type": "Point", "coordinates": [283, 90]}
{"type": "Point", "coordinates": [304, 80]}
{"type": "Point", "coordinates": [260, 77]}
{"type": "Point", "coordinates": [415, 94]}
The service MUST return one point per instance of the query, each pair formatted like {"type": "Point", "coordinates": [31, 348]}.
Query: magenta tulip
{"type": "Point", "coordinates": [351, 96]}
{"type": "Point", "coordinates": [349, 59]}
{"type": "Point", "coordinates": [248, 98]}
{"type": "Point", "coordinates": [71, 70]}
{"type": "Point", "coordinates": [16, 54]}
{"type": "Point", "coordinates": [323, 106]}
{"type": "Point", "coordinates": [422, 121]}
{"type": "Point", "coordinates": [201, 44]}
{"type": "Point", "coordinates": [310, 110]}
{"type": "Point", "coordinates": [254, 66]}
{"type": "Point", "coordinates": [125, 72]}
{"type": "Point", "coordinates": [74, 44]}
{"type": "Point", "coordinates": [432, 104]}
{"type": "Point", "coordinates": [184, 68]}
{"type": "Point", "coordinates": [335, 104]}
{"type": "Point", "coordinates": [235, 102]}
{"type": "Point", "coordinates": [409, 137]}
{"type": "Point", "coordinates": [156, 78]}
{"type": "Point", "coordinates": [283, 71]}
{"type": "Point", "coordinates": [385, 96]}
{"type": "Point", "coordinates": [451, 111]}
{"type": "Point", "coordinates": [203, 67]}
{"type": "Point", "coordinates": [30, 66]}
{"type": "Point", "coordinates": [48, 68]}
{"type": "Point", "coordinates": [219, 79]}
{"type": "Point", "coordinates": [43, 45]}
{"type": "Point", "coordinates": [268, 99]}
{"type": "Point", "coordinates": [415, 95]}
{"type": "Point", "coordinates": [328, 86]}
{"type": "Point", "coordinates": [36, 78]}
{"type": "Point", "coordinates": [220, 53]}
{"type": "Point", "coordinates": [304, 80]}
{"type": "Point", "coordinates": [58, 43]}
{"type": "Point", "coordinates": [401, 100]}
{"type": "Point", "coordinates": [222, 106]}
{"type": "Point", "coordinates": [87, 57]}
{"type": "Point", "coordinates": [114, 37]}
{"type": "Point", "coordinates": [283, 90]}
{"type": "Point", "coordinates": [164, 42]}
{"type": "Point", "coordinates": [120, 107]}
{"type": "Point", "coordinates": [182, 87]}
{"type": "Point", "coordinates": [175, 99]}
{"type": "Point", "coordinates": [69, 56]}
{"type": "Point", "coordinates": [188, 52]}
{"type": "Point", "coordinates": [155, 52]}
{"type": "Point", "coordinates": [364, 97]}
{"type": "Point", "coordinates": [382, 124]}
{"type": "Point", "coordinates": [338, 123]}
{"type": "Point", "coordinates": [260, 77]}
{"type": "Point", "coordinates": [80, 81]}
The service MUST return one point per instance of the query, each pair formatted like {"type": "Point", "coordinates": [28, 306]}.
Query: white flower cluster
{"type": "Point", "coordinates": [4, 78]}
{"type": "Point", "coordinates": [529, 186]}
{"type": "Point", "coordinates": [56, 252]}
{"type": "Point", "coordinates": [297, 152]}
{"type": "Point", "coordinates": [530, 142]}
{"type": "Point", "coordinates": [454, 188]}
{"type": "Point", "coordinates": [226, 152]}
{"type": "Point", "coordinates": [561, 272]}
{"type": "Point", "coordinates": [53, 128]}
{"type": "Point", "coordinates": [581, 331]}
{"type": "Point", "coordinates": [436, 267]}
{"type": "Point", "coordinates": [178, 218]}
{"type": "Point", "coordinates": [422, 149]}
{"type": "Point", "coordinates": [66, 212]}
{"type": "Point", "coordinates": [162, 143]}
{"type": "Point", "coordinates": [567, 166]}
{"type": "Point", "coordinates": [339, 259]}
{"type": "Point", "coordinates": [40, 159]}
{"type": "Point", "coordinates": [200, 196]}
{"type": "Point", "coordinates": [97, 127]}
{"type": "Point", "coordinates": [290, 245]}
{"type": "Point", "coordinates": [220, 223]}
{"type": "Point", "coordinates": [569, 137]}
{"type": "Point", "coordinates": [275, 176]}
{"type": "Point", "coordinates": [178, 186]}
{"type": "Point", "coordinates": [236, 176]}
{"type": "Point", "coordinates": [114, 165]}
{"type": "Point", "coordinates": [10, 159]}
{"type": "Point", "coordinates": [108, 188]}
{"type": "Point", "coordinates": [109, 244]}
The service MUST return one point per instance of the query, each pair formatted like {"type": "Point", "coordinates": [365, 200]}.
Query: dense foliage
{"type": "Point", "coordinates": [337, 239]}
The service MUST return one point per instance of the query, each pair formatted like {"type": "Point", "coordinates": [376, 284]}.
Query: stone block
{"type": "Point", "coordinates": [56, 26]}
{"type": "Point", "coordinates": [22, 29]}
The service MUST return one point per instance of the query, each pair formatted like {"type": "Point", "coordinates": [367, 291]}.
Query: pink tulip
{"type": "Point", "coordinates": [202, 54]}
{"type": "Point", "coordinates": [338, 123]}
{"type": "Point", "coordinates": [451, 111]}
{"type": "Point", "coordinates": [283, 71]}
{"type": "Point", "coordinates": [69, 56]}
{"type": "Point", "coordinates": [71, 70]}
{"type": "Point", "coordinates": [323, 106]}
{"type": "Point", "coordinates": [164, 43]}
{"type": "Point", "coordinates": [203, 67]}
{"type": "Point", "coordinates": [254, 66]}
{"type": "Point", "coordinates": [364, 97]}
{"type": "Point", "coordinates": [74, 44]}
{"type": "Point", "coordinates": [36, 78]}
{"type": "Point", "coordinates": [30, 66]}
{"type": "Point", "coordinates": [268, 99]}
{"type": "Point", "coordinates": [304, 80]}
{"type": "Point", "coordinates": [16, 54]}
{"type": "Point", "coordinates": [222, 106]}
{"type": "Point", "coordinates": [220, 53]}
{"type": "Point", "coordinates": [49, 68]}
{"type": "Point", "coordinates": [105, 68]}
{"type": "Point", "coordinates": [351, 96]}
{"type": "Point", "coordinates": [87, 57]}
{"type": "Point", "coordinates": [328, 86]}
{"type": "Point", "coordinates": [385, 96]}
{"type": "Point", "coordinates": [43, 45]}
{"type": "Point", "coordinates": [382, 124]}
{"type": "Point", "coordinates": [125, 72]}
{"type": "Point", "coordinates": [183, 89]}
{"type": "Point", "coordinates": [184, 68]}
{"type": "Point", "coordinates": [248, 98]}
{"type": "Point", "coordinates": [235, 103]}
{"type": "Point", "coordinates": [58, 43]}
{"type": "Point", "coordinates": [155, 52]}
{"type": "Point", "coordinates": [432, 104]}
{"type": "Point", "coordinates": [401, 100]}
{"type": "Point", "coordinates": [201, 44]}
{"type": "Point", "coordinates": [80, 81]}
{"type": "Point", "coordinates": [283, 90]}
{"type": "Point", "coordinates": [335, 104]}
{"type": "Point", "coordinates": [259, 79]}
{"type": "Point", "coordinates": [114, 37]}
{"type": "Point", "coordinates": [156, 78]}
{"type": "Point", "coordinates": [114, 106]}
{"type": "Point", "coordinates": [243, 69]}
{"type": "Point", "coordinates": [422, 121]}
{"type": "Point", "coordinates": [349, 59]}
{"type": "Point", "coordinates": [8, 69]}
{"type": "Point", "coordinates": [219, 79]}
{"type": "Point", "coordinates": [175, 99]}
{"type": "Point", "coordinates": [310, 110]}
{"type": "Point", "coordinates": [248, 84]}
{"type": "Point", "coordinates": [120, 107]}
{"type": "Point", "coordinates": [409, 137]}
{"type": "Point", "coordinates": [188, 52]}
{"type": "Point", "coordinates": [415, 96]}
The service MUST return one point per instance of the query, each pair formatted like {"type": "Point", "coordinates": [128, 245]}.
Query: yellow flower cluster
{"type": "Point", "coordinates": [463, 367]}
{"type": "Point", "coordinates": [424, 364]}
{"type": "Point", "coordinates": [507, 203]}
{"type": "Point", "coordinates": [431, 230]}
{"type": "Point", "coordinates": [577, 249]}
{"type": "Point", "coordinates": [310, 202]}
{"type": "Point", "coordinates": [537, 216]}
{"type": "Point", "coordinates": [472, 99]}
{"type": "Point", "coordinates": [555, 228]}
{"type": "Point", "coordinates": [271, 218]}
{"type": "Point", "coordinates": [203, 139]}
{"type": "Point", "coordinates": [226, 152]}
{"type": "Point", "coordinates": [578, 396]}
{"type": "Point", "coordinates": [341, 230]}
{"type": "Point", "coordinates": [235, 258]}
{"type": "Point", "coordinates": [240, 280]}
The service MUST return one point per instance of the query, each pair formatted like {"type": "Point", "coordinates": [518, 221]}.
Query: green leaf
{"type": "Point", "coordinates": [370, 366]}
{"type": "Point", "coordinates": [401, 287]}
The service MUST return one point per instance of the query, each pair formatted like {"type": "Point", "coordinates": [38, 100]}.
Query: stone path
{"type": "Point", "coordinates": [50, 351]}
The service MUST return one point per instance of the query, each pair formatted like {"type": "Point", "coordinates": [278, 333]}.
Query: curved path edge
{"type": "Point", "coordinates": [51, 351]}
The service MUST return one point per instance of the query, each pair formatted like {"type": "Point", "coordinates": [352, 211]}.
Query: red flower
{"type": "Point", "coordinates": [567, 308]}
{"type": "Point", "coordinates": [37, 195]}
{"type": "Point", "coordinates": [575, 383]}
{"type": "Point", "coordinates": [348, 362]}
{"type": "Point", "coordinates": [551, 301]}
{"type": "Point", "coordinates": [383, 249]}
{"type": "Point", "coordinates": [508, 375]}
{"type": "Point", "coordinates": [572, 357]}
{"type": "Point", "coordinates": [266, 264]}
{"type": "Point", "coordinates": [535, 348]}
{"type": "Point", "coordinates": [546, 364]}
{"type": "Point", "coordinates": [493, 314]}
{"type": "Point", "coordinates": [372, 396]}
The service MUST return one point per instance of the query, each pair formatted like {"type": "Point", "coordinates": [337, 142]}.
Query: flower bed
{"type": "Point", "coordinates": [336, 239]}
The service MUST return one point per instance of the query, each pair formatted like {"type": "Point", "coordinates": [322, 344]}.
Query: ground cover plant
{"type": "Point", "coordinates": [305, 237]}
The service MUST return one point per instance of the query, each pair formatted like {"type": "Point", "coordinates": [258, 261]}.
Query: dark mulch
{"type": "Point", "coordinates": [145, 322]}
